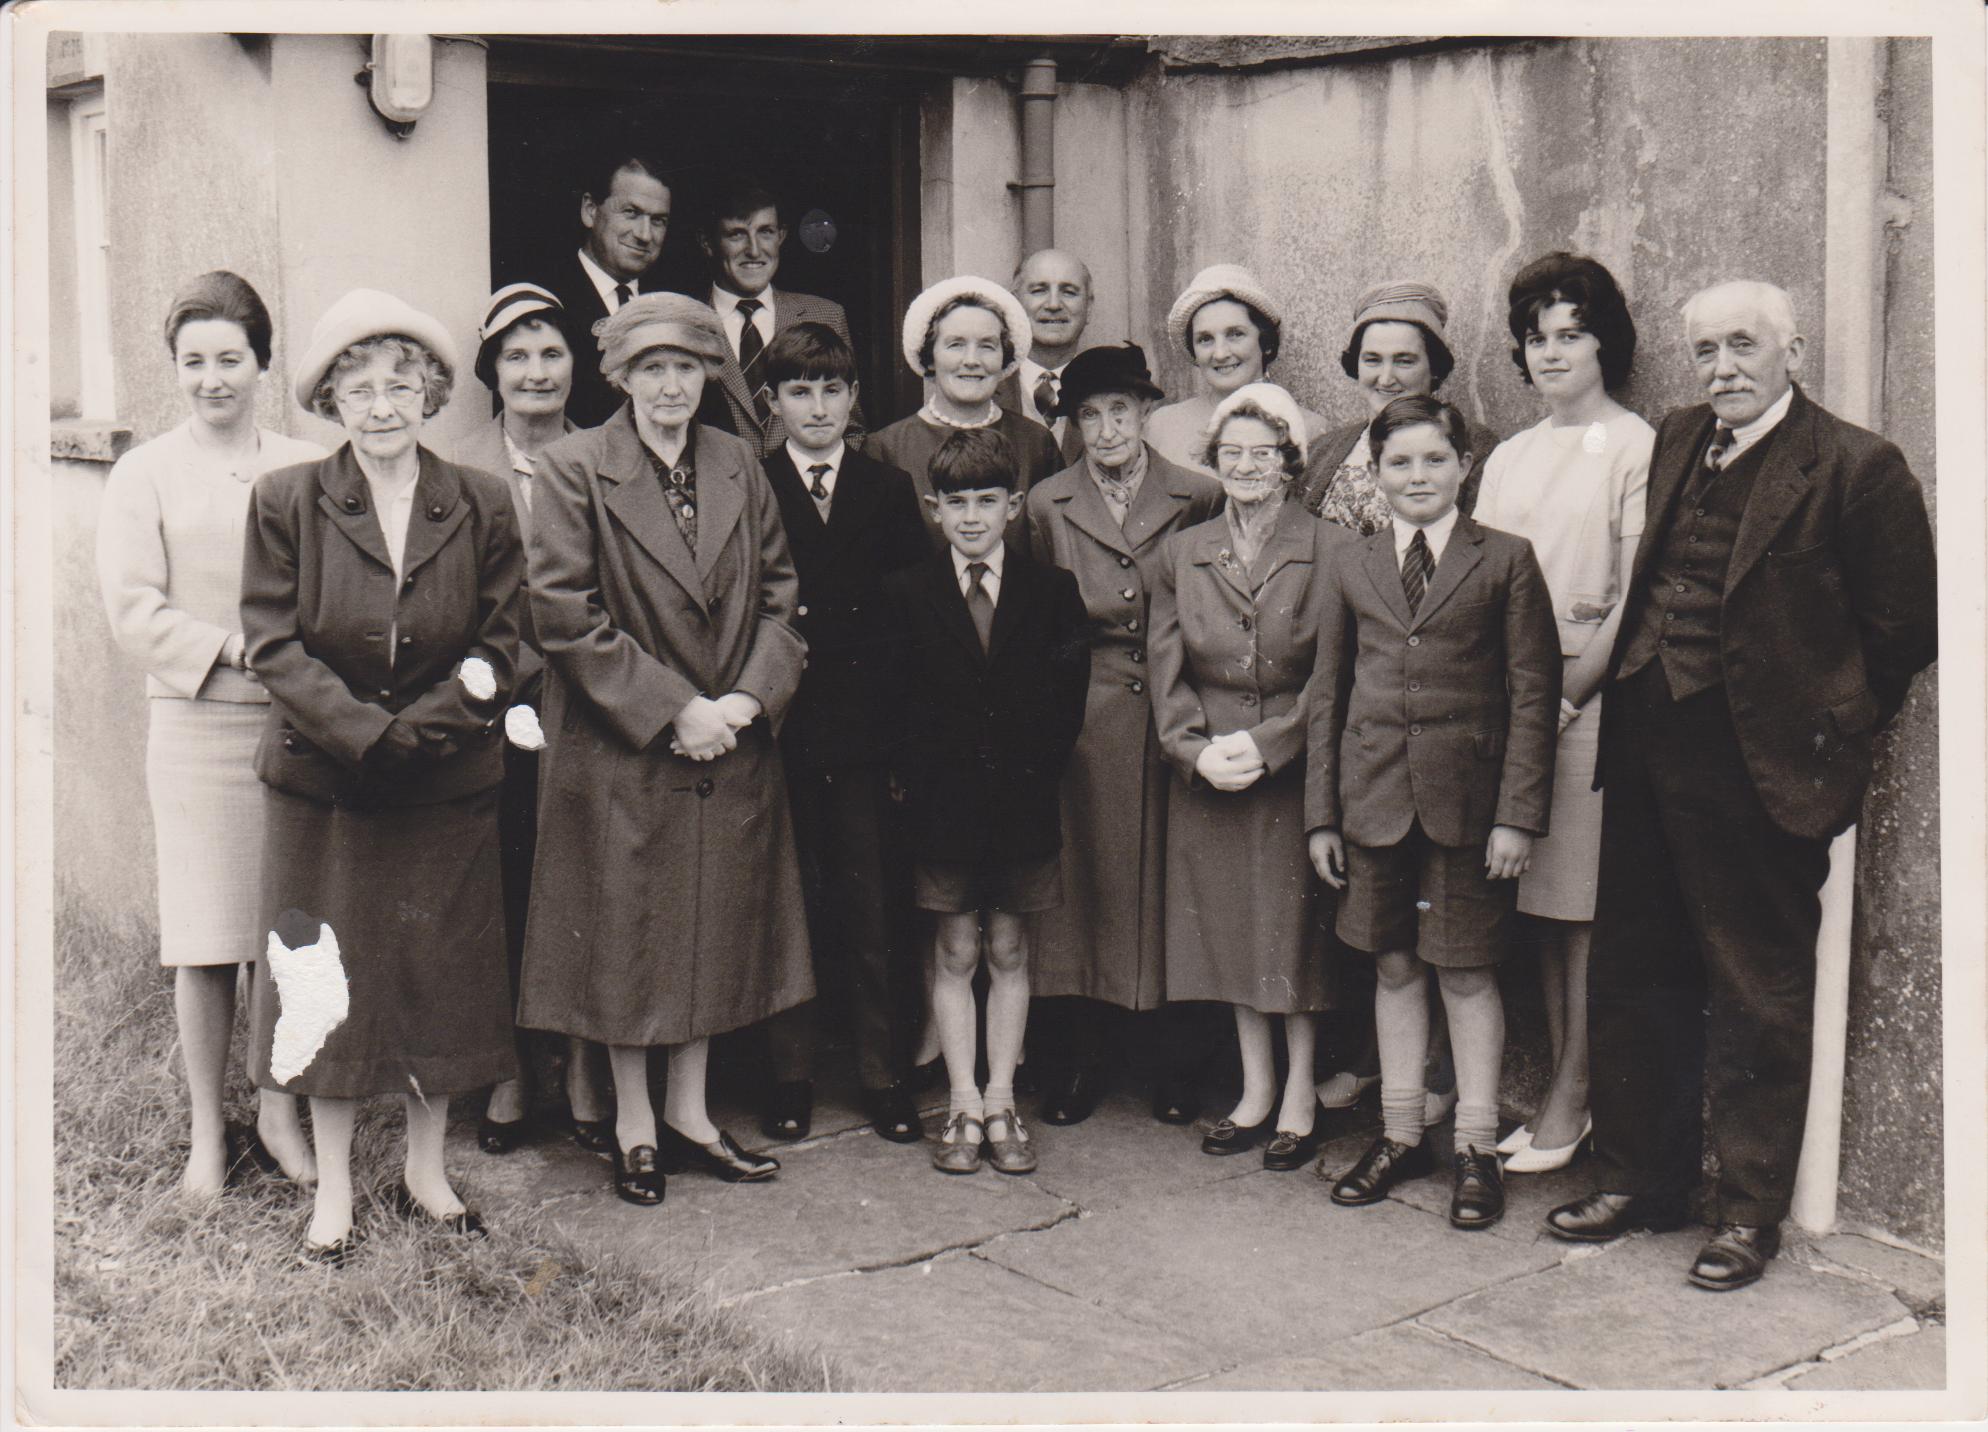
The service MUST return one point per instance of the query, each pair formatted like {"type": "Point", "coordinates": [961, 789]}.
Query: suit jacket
{"type": "Point", "coordinates": [788, 310]}
{"type": "Point", "coordinates": [1449, 715]}
{"type": "Point", "coordinates": [840, 716]}
{"type": "Point", "coordinates": [985, 735]}
{"type": "Point", "coordinates": [1010, 396]}
{"type": "Point", "coordinates": [593, 397]}
{"type": "Point", "coordinates": [1831, 605]}
{"type": "Point", "coordinates": [319, 600]}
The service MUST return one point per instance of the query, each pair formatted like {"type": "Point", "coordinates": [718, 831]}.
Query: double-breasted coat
{"type": "Point", "coordinates": [1232, 649]}
{"type": "Point", "coordinates": [666, 902]}
{"type": "Point", "coordinates": [1105, 940]}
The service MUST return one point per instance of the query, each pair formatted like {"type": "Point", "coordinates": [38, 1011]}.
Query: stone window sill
{"type": "Point", "coordinates": [87, 439]}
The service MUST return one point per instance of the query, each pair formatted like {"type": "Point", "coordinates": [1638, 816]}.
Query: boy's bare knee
{"type": "Point", "coordinates": [1466, 984]}
{"type": "Point", "coordinates": [1397, 970]}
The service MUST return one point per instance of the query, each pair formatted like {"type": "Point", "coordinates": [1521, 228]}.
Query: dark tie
{"type": "Point", "coordinates": [978, 603]}
{"type": "Point", "coordinates": [622, 293]}
{"type": "Point", "coordinates": [1416, 568]}
{"type": "Point", "coordinates": [751, 345]}
{"type": "Point", "coordinates": [818, 488]}
{"type": "Point", "coordinates": [1045, 396]}
{"type": "Point", "coordinates": [1722, 442]}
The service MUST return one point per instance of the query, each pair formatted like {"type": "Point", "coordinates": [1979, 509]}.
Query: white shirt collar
{"type": "Point", "coordinates": [605, 282]}
{"type": "Point", "coordinates": [1747, 434]}
{"type": "Point", "coordinates": [1030, 376]}
{"type": "Point", "coordinates": [727, 304]}
{"type": "Point", "coordinates": [994, 561]}
{"type": "Point", "coordinates": [804, 460]}
{"type": "Point", "coordinates": [1437, 534]}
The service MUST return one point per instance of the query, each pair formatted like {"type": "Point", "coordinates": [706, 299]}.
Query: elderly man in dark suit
{"type": "Point", "coordinates": [1782, 599]}
{"type": "Point", "coordinates": [625, 211]}
{"type": "Point", "coordinates": [742, 239]}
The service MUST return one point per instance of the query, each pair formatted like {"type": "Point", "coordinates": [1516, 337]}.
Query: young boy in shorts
{"type": "Point", "coordinates": [1429, 772]}
{"type": "Point", "coordinates": [990, 665]}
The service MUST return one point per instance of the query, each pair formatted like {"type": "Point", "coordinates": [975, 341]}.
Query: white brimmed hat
{"type": "Point", "coordinates": [1219, 281]}
{"type": "Point", "coordinates": [365, 313]}
{"type": "Point", "coordinates": [918, 317]}
{"type": "Point", "coordinates": [1267, 397]}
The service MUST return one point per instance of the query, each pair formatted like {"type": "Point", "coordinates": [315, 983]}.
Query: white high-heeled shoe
{"type": "Point", "coordinates": [1534, 1159]}
{"type": "Point", "coordinates": [1343, 1089]}
{"type": "Point", "coordinates": [1519, 1138]}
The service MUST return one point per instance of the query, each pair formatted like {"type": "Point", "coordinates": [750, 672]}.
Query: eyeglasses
{"type": "Point", "coordinates": [360, 400]}
{"type": "Point", "coordinates": [1231, 456]}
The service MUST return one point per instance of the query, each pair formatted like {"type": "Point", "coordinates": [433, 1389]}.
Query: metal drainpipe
{"type": "Point", "coordinates": [1853, 346]}
{"type": "Point", "coordinates": [1037, 184]}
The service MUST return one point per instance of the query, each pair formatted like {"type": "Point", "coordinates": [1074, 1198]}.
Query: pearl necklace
{"type": "Point", "coordinates": [932, 415]}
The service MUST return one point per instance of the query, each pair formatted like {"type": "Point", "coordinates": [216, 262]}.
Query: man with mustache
{"type": "Point", "coordinates": [742, 240]}
{"type": "Point", "coordinates": [1782, 599]}
{"type": "Point", "coordinates": [1055, 289]}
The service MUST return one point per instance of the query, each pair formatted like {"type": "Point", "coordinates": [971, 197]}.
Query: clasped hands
{"type": "Point", "coordinates": [706, 729]}
{"type": "Point", "coordinates": [1231, 762]}
{"type": "Point", "coordinates": [1507, 855]}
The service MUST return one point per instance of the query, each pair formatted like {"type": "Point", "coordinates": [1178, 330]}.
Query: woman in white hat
{"type": "Point", "coordinates": [1235, 622]}
{"type": "Point", "coordinates": [666, 898]}
{"type": "Point", "coordinates": [380, 601]}
{"type": "Point", "coordinates": [1231, 330]}
{"type": "Point", "coordinates": [169, 557]}
{"type": "Point", "coordinates": [964, 336]}
{"type": "Point", "coordinates": [526, 347]}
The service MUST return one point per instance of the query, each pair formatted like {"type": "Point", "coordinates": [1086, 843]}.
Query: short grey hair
{"type": "Point", "coordinates": [1776, 308]}
{"type": "Point", "coordinates": [437, 378]}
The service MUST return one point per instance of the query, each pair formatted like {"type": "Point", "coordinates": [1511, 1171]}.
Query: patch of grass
{"type": "Point", "coordinates": [154, 1292]}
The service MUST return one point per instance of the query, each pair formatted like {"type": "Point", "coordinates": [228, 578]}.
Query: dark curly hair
{"type": "Point", "coordinates": [1598, 303]}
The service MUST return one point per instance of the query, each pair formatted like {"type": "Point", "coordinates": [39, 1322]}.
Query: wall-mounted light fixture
{"type": "Point", "coordinates": [399, 80]}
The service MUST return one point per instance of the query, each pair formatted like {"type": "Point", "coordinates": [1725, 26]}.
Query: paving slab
{"type": "Point", "coordinates": [1528, 1197]}
{"type": "Point", "coordinates": [1624, 1317]}
{"type": "Point", "coordinates": [1918, 1280]}
{"type": "Point", "coordinates": [851, 1203]}
{"type": "Point", "coordinates": [1914, 1362]}
{"type": "Point", "coordinates": [1265, 1265]}
{"type": "Point", "coordinates": [1123, 1155]}
{"type": "Point", "coordinates": [1400, 1358]}
{"type": "Point", "coordinates": [534, 1175]}
{"type": "Point", "coordinates": [963, 1324]}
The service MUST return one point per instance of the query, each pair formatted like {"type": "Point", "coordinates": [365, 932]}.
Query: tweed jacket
{"type": "Point", "coordinates": [1831, 605]}
{"type": "Point", "coordinates": [320, 601]}
{"type": "Point", "coordinates": [788, 310]}
{"type": "Point", "coordinates": [1447, 715]}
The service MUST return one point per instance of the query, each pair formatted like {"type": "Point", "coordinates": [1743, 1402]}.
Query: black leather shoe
{"type": "Point", "coordinates": [1229, 1137]}
{"type": "Point", "coordinates": [893, 1113]}
{"type": "Point", "coordinates": [722, 1158]}
{"type": "Point", "coordinates": [1380, 1168]}
{"type": "Point", "coordinates": [638, 1177]}
{"type": "Point", "coordinates": [596, 1136]}
{"type": "Point", "coordinates": [790, 1111]}
{"type": "Point", "coordinates": [468, 1223]}
{"type": "Point", "coordinates": [1175, 1102]}
{"type": "Point", "coordinates": [496, 1136]}
{"type": "Point", "coordinates": [1601, 1217]}
{"type": "Point", "coordinates": [1072, 1096]}
{"type": "Point", "coordinates": [1736, 1256]}
{"type": "Point", "coordinates": [245, 1150]}
{"type": "Point", "coordinates": [1479, 1200]}
{"type": "Point", "coordinates": [1293, 1151]}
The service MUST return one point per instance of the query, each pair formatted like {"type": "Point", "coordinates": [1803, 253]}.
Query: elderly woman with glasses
{"type": "Point", "coordinates": [380, 597]}
{"type": "Point", "coordinates": [1235, 626]}
{"type": "Point", "coordinates": [666, 900]}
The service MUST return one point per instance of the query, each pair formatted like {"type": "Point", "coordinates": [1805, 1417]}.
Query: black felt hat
{"type": "Point", "coordinates": [1117, 368]}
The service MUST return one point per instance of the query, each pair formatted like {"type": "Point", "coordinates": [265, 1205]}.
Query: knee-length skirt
{"type": "Point", "coordinates": [386, 970]}
{"type": "Point", "coordinates": [207, 818]}
{"type": "Point", "coordinates": [1560, 882]}
{"type": "Point", "coordinates": [1247, 921]}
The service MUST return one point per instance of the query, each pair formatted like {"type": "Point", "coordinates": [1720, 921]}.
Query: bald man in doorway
{"type": "Point", "coordinates": [1055, 289]}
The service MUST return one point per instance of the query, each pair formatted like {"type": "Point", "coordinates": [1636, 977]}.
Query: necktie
{"type": "Point", "coordinates": [622, 293]}
{"type": "Point", "coordinates": [978, 604]}
{"type": "Point", "coordinates": [751, 345]}
{"type": "Point", "coordinates": [1045, 396]}
{"type": "Point", "coordinates": [818, 488]}
{"type": "Point", "coordinates": [1722, 442]}
{"type": "Point", "coordinates": [1416, 568]}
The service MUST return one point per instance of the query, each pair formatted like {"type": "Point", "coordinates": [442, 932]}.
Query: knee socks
{"type": "Point", "coordinates": [1402, 1113]}
{"type": "Point", "coordinates": [1477, 1127]}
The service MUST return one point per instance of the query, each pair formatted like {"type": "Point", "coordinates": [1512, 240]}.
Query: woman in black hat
{"type": "Point", "coordinates": [1105, 519]}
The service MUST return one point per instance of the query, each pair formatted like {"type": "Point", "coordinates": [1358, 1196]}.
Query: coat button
{"type": "Point", "coordinates": [385, 695]}
{"type": "Point", "coordinates": [1249, 698]}
{"type": "Point", "coordinates": [1245, 623]}
{"type": "Point", "coordinates": [1414, 730]}
{"type": "Point", "coordinates": [1415, 641]}
{"type": "Point", "coordinates": [705, 787]}
{"type": "Point", "coordinates": [407, 641]}
{"type": "Point", "coordinates": [1124, 561]}
{"type": "Point", "coordinates": [408, 585]}
{"type": "Point", "coordinates": [1135, 686]}
{"type": "Point", "coordinates": [800, 611]}
{"type": "Point", "coordinates": [436, 512]}
{"type": "Point", "coordinates": [1132, 625]}
{"type": "Point", "coordinates": [1138, 655]}
{"type": "Point", "coordinates": [1414, 686]}
{"type": "Point", "coordinates": [1130, 594]}
{"type": "Point", "coordinates": [289, 743]}
{"type": "Point", "coordinates": [353, 504]}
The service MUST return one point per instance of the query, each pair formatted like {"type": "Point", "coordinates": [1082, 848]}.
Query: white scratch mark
{"type": "Point", "coordinates": [310, 983]}
{"type": "Point", "coordinates": [477, 678]}
{"type": "Point", "coordinates": [415, 1084]}
{"type": "Point", "coordinates": [522, 728]}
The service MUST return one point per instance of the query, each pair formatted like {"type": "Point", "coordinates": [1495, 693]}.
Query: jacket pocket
{"type": "Point", "coordinates": [1800, 556]}
{"type": "Point", "coordinates": [1490, 745]}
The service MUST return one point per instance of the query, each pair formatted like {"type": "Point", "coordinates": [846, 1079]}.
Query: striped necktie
{"type": "Point", "coordinates": [1416, 568]}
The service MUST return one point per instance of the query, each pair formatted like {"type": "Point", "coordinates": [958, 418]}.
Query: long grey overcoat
{"type": "Point", "coordinates": [666, 903]}
{"type": "Point", "coordinates": [1105, 939]}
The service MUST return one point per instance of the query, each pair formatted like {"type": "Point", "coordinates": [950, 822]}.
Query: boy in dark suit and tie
{"type": "Point", "coordinates": [1434, 708]}
{"type": "Point", "coordinates": [990, 662]}
{"type": "Point", "coordinates": [850, 520]}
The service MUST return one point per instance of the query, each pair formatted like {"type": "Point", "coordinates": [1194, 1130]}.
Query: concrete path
{"type": "Point", "coordinates": [1132, 1261]}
